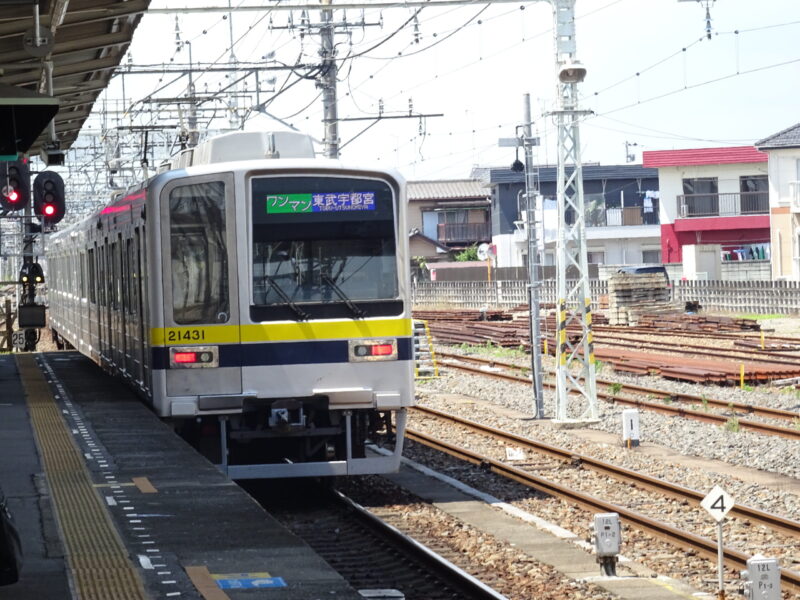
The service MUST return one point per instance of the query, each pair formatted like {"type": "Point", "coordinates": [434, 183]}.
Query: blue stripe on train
{"type": "Point", "coordinates": [281, 353]}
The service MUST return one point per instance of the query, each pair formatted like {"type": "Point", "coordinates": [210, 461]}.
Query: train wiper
{"type": "Point", "coordinates": [301, 314]}
{"type": "Point", "coordinates": [360, 314]}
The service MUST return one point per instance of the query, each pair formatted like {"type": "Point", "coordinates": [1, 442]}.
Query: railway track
{"type": "Point", "coordinates": [372, 554]}
{"type": "Point", "coordinates": [720, 335]}
{"type": "Point", "coordinates": [679, 492]}
{"type": "Point", "coordinates": [760, 411]}
{"type": "Point", "coordinates": [686, 540]}
{"type": "Point", "coordinates": [773, 358]}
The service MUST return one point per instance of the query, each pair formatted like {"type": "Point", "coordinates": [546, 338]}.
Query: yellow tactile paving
{"type": "Point", "coordinates": [99, 563]}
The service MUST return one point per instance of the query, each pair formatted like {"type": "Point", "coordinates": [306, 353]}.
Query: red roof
{"type": "Point", "coordinates": [702, 156]}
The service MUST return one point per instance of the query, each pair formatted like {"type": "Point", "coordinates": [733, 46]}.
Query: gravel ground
{"type": "Point", "coordinates": [691, 438]}
{"type": "Point", "coordinates": [740, 533]}
{"type": "Point", "coordinates": [659, 556]}
{"type": "Point", "coordinates": [513, 573]}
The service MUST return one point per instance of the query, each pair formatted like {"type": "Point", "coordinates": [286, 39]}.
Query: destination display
{"type": "Point", "coordinates": [319, 202]}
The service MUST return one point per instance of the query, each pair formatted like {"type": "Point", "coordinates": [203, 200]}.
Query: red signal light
{"type": "Point", "coordinates": [49, 210]}
{"type": "Point", "coordinates": [185, 357]}
{"type": "Point", "coordinates": [13, 196]}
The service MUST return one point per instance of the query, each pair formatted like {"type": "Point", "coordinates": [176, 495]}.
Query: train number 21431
{"type": "Point", "coordinates": [186, 335]}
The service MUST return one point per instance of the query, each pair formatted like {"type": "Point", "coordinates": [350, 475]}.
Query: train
{"type": "Point", "coordinates": [257, 297]}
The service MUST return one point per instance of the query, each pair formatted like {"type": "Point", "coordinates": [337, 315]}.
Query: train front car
{"type": "Point", "coordinates": [300, 357]}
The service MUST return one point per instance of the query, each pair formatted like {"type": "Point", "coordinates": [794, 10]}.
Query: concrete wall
{"type": "Point", "coordinates": [747, 270]}
{"type": "Point", "coordinates": [784, 168]}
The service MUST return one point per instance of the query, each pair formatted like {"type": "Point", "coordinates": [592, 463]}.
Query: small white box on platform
{"type": "Point", "coordinates": [630, 427]}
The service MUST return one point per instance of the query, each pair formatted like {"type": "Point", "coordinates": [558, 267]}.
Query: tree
{"type": "Point", "coordinates": [468, 254]}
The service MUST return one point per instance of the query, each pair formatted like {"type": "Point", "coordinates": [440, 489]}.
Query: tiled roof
{"type": "Point", "coordinates": [703, 156]}
{"type": "Point", "coordinates": [415, 233]}
{"type": "Point", "coordinates": [549, 174]}
{"type": "Point", "coordinates": [448, 189]}
{"type": "Point", "coordinates": [788, 138]}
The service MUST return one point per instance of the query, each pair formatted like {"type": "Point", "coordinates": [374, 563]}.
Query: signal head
{"type": "Point", "coordinates": [15, 185]}
{"type": "Point", "coordinates": [49, 203]}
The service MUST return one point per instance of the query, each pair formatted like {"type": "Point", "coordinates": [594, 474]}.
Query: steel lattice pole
{"type": "Point", "coordinates": [576, 392]}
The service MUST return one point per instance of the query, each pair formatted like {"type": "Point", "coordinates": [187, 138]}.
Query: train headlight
{"type": "Point", "coordinates": [372, 350]}
{"type": "Point", "coordinates": [193, 357]}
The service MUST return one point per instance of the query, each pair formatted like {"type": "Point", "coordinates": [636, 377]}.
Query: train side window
{"type": "Point", "coordinates": [90, 264]}
{"type": "Point", "coordinates": [82, 283]}
{"type": "Point", "coordinates": [112, 282]}
{"type": "Point", "coordinates": [199, 254]}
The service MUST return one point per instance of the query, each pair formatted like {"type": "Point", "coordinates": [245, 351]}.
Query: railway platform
{"type": "Point", "coordinates": [111, 504]}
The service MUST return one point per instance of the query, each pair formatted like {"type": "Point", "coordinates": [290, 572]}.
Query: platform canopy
{"type": "Point", "coordinates": [84, 39]}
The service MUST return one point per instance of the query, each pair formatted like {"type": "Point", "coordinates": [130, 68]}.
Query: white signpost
{"type": "Point", "coordinates": [718, 503]}
{"type": "Point", "coordinates": [18, 339]}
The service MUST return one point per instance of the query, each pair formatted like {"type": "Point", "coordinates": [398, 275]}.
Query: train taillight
{"type": "Point", "coordinates": [194, 357]}
{"type": "Point", "coordinates": [371, 350]}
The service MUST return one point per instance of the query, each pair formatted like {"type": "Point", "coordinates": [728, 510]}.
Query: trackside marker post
{"type": "Point", "coordinates": [718, 503]}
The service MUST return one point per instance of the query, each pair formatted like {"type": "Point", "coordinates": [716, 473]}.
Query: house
{"type": "Point", "coordinates": [713, 196]}
{"type": "Point", "coordinates": [622, 214]}
{"type": "Point", "coordinates": [783, 150]}
{"type": "Point", "coordinates": [454, 214]}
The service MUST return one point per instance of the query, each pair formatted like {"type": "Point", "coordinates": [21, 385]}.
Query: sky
{"type": "Point", "coordinates": [653, 78]}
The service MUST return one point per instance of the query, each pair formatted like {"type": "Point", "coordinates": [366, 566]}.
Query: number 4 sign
{"type": "Point", "coordinates": [717, 503]}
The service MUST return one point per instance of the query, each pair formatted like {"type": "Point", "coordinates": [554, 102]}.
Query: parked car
{"type": "Point", "coordinates": [10, 547]}
{"type": "Point", "coordinates": [645, 269]}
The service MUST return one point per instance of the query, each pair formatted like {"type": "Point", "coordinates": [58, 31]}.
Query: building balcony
{"type": "Point", "coordinates": [464, 233]}
{"type": "Point", "coordinates": [723, 205]}
{"type": "Point", "coordinates": [619, 217]}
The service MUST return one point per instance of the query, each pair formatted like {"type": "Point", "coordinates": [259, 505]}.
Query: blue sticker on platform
{"type": "Point", "coordinates": [244, 582]}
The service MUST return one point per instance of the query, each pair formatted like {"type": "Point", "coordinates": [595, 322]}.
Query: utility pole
{"type": "Point", "coordinates": [576, 391]}
{"type": "Point", "coordinates": [233, 117]}
{"type": "Point", "coordinates": [531, 193]}
{"type": "Point", "coordinates": [327, 82]}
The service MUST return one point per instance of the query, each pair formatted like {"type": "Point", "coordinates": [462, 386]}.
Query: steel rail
{"type": "Point", "coordinates": [675, 490]}
{"type": "Point", "coordinates": [722, 335]}
{"type": "Point", "coordinates": [454, 575]}
{"type": "Point", "coordinates": [697, 415]}
{"type": "Point", "coordinates": [673, 535]}
{"type": "Point", "coordinates": [759, 411]}
{"type": "Point", "coordinates": [732, 353]}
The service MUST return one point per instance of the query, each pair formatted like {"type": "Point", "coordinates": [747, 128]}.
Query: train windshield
{"type": "Point", "coordinates": [323, 241]}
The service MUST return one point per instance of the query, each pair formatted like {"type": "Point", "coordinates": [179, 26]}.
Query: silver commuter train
{"type": "Point", "coordinates": [260, 305]}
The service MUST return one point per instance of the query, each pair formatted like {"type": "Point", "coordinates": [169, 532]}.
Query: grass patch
{"type": "Point", "coordinates": [759, 317]}
{"type": "Point", "coordinates": [494, 350]}
{"type": "Point", "coordinates": [732, 425]}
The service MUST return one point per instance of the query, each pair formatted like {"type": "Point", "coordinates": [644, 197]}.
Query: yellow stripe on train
{"type": "Point", "coordinates": [280, 332]}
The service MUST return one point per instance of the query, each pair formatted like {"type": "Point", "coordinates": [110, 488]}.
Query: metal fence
{"type": "Point", "coordinates": [757, 297]}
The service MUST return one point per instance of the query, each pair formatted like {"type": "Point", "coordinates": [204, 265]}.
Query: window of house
{"type": "Point", "coordinates": [753, 183]}
{"type": "Point", "coordinates": [596, 258]}
{"type": "Point", "coordinates": [701, 197]}
{"type": "Point", "coordinates": [651, 256]}
{"type": "Point", "coordinates": [701, 185]}
{"type": "Point", "coordinates": [754, 197]}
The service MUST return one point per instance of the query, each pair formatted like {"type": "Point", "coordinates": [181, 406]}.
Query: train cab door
{"type": "Point", "coordinates": [201, 302]}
